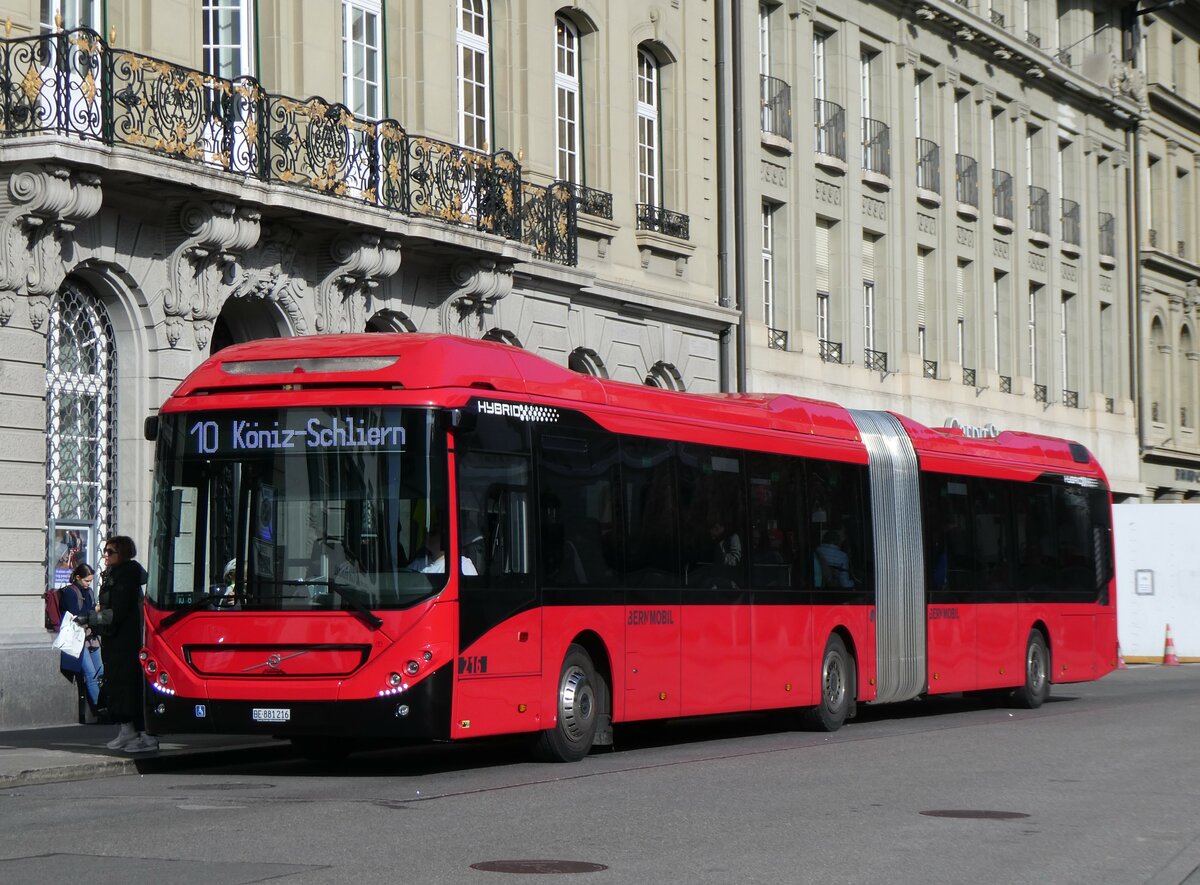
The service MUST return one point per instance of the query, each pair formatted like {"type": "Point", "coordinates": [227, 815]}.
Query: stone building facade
{"type": "Point", "coordinates": [979, 213]}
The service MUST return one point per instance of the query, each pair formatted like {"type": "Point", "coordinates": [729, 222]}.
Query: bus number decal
{"type": "Point", "coordinates": [472, 664]}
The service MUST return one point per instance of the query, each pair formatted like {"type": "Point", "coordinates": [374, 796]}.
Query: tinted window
{"type": "Point", "coordinates": [713, 518]}
{"type": "Point", "coordinates": [651, 530]}
{"type": "Point", "coordinates": [838, 532]}
{"type": "Point", "coordinates": [580, 544]}
{"type": "Point", "coordinates": [779, 554]}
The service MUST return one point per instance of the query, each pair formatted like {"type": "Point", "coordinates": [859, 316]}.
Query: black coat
{"type": "Point", "coordinates": [119, 623]}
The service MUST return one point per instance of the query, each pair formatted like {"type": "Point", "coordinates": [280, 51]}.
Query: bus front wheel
{"type": "Point", "coordinates": [1036, 689]}
{"type": "Point", "coordinates": [578, 707]}
{"type": "Point", "coordinates": [838, 687]}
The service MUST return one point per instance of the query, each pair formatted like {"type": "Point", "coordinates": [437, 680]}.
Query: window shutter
{"type": "Point", "coordinates": [868, 259]}
{"type": "Point", "coordinates": [922, 255]}
{"type": "Point", "coordinates": [822, 256]}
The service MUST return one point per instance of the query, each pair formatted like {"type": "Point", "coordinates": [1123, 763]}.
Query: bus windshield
{"type": "Point", "coordinates": [298, 509]}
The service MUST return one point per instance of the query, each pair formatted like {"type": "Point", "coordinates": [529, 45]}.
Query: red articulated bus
{"type": "Point", "coordinates": [424, 537]}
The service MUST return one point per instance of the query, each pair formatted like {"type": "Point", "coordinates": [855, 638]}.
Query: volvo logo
{"type": "Point", "coordinates": [273, 661]}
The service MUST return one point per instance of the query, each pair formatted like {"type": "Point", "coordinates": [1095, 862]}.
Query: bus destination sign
{"type": "Point", "coordinates": [293, 431]}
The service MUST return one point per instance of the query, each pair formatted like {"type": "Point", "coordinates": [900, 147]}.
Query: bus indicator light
{"type": "Point", "coordinates": [412, 668]}
{"type": "Point", "coordinates": [521, 708]}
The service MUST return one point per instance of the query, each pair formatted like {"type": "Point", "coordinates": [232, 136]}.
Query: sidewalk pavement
{"type": "Point", "coordinates": [78, 752]}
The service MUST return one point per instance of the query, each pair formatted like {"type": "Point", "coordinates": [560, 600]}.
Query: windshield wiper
{"type": "Point", "coordinates": [373, 620]}
{"type": "Point", "coordinates": [194, 606]}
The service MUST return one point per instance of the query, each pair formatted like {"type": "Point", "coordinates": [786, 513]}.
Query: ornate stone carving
{"type": "Point", "coordinates": [1124, 79]}
{"type": "Point", "coordinates": [41, 207]}
{"type": "Point", "coordinates": [828, 193]}
{"type": "Point", "coordinates": [361, 261]}
{"type": "Point", "coordinates": [874, 208]}
{"type": "Point", "coordinates": [926, 224]}
{"type": "Point", "coordinates": [267, 274]}
{"type": "Point", "coordinates": [471, 289]}
{"type": "Point", "coordinates": [217, 233]}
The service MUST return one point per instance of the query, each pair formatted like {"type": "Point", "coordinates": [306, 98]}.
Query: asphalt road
{"type": "Point", "coordinates": [1102, 785]}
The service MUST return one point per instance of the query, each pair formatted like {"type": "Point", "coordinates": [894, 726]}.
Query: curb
{"type": "Point", "coordinates": [157, 763]}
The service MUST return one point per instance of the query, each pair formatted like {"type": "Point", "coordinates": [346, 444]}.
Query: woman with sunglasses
{"type": "Point", "coordinates": [119, 622]}
{"type": "Point", "coordinates": [78, 599]}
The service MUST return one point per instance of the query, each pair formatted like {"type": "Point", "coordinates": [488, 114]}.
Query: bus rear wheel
{"type": "Point", "coordinates": [579, 702]}
{"type": "Point", "coordinates": [838, 688]}
{"type": "Point", "coordinates": [1036, 689]}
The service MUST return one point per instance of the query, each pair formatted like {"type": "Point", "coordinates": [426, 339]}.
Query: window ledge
{"type": "Point", "coordinates": [968, 212]}
{"type": "Point", "coordinates": [777, 143]}
{"type": "Point", "coordinates": [1039, 239]}
{"type": "Point", "coordinates": [830, 163]}
{"type": "Point", "coordinates": [1004, 225]}
{"type": "Point", "coordinates": [1108, 261]}
{"type": "Point", "coordinates": [928, 197]}
{"type": "Point", "coordinates": [1071, 250]}
{"type": "Point", "coordinates": [877, 180]}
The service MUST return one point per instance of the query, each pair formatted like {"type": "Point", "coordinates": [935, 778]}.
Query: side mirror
{"type": "Point", "coordinates": [150, 428]}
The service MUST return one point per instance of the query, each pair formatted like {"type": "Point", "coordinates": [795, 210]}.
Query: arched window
{"type": "Point", "coordinates": [390, 321]}
{"type": "Point", "coordinates": [649, 130]}
{"type": "Point", "coordinates": [1186, 362]}
{"type": "Point", "coordinates": [80, 428]}
{"type": "Point", "coordinates": [503, 336]}
{"type": "Point", "coordinates": [586, 361]}
{"type": "Point", "coordinates": [474, 64]}
{"type": "Point", "coordinates": [1158, 377]}
{"type": "Point", "coordinates": [566, 97]}
{"type": "Point", "coordinates": [664, 375]}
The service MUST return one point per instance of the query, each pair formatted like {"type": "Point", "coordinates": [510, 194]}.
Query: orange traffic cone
{"type": "Point", "coordinates": [1170, 659]}
{"type": "Point", "coordinates": [1121, 665]}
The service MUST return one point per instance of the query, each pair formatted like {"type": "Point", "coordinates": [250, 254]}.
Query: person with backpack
{"type": "Point", "coordinates": [76, 599]}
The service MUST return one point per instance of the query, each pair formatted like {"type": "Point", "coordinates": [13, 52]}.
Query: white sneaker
{"type": "Point", "coordinates": [143, 743]}
{"type": "Point", "coordinates": [124, 736]}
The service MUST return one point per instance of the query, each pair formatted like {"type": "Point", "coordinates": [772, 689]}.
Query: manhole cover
{"type": "Point", "coordinates": [191, 787]}
{"type": "Point", "coordinates": [538, 866]}
{"type": "Point", "coordinates": [976, 814]}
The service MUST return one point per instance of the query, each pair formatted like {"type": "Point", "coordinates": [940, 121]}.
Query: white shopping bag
{"type": "Point", "coordinates": [70, 636]}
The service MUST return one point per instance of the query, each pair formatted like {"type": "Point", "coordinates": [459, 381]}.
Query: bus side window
{"type": "Point", "coordinates": [778, 560]}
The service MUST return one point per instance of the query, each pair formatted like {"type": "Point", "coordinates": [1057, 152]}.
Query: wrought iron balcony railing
{"type": "Point", "coordinates": [1033, 39]}
{"type": "Point", "coordinates": [876, 147]}
{"type": "Point", "coordinates": [777, 339]}
{"type": "Point", "coordinates": [776, 98]}
{"type": "Point", "coordinates": [829, 120]}
{"type": "Point", "coordinates": [929, 165]}
{"type": "Point", "coordinates": [1002, 195]}
{"type": "Point", "coordinates": [831, 351]}
{"type": "Point", "coordinates": [1152, 236]}
{"type": "Point", "coordinates": [1108, 234]}
{"type": "Point", "coordinates": [73, 83]}
{"type": "Point", "coordinates": [1006, 383]}
{"type": "Point", "coordinates": [1154, 412]}
{"type": "Point", "coordinates": [997, 18]}
{"type": "Point", "coordinates": [1071, 399]}
{"type": "Point", "coordinates": [876, 360]}
{"type": "Point", "coordinates": [1070, 222]}
{"type": "Point", "coordinates": [593, 202]}
{"type": "Point", "coordinates": [656, 218]}
{"type": "Point", "coordinates": [1039, 393]}
{"type": "Point", "coordinates": [966, 180]}
{"type": "Point", "coordinates": [1110, 405]}
{"type": "Point", "coordinates": [929, 369]}
{"type": "Point", "coordinates": [547, 222]}
{"type": "Point", "coordinates": [1039, 209]}
{"type": "Point", "coordinates": [968, 377]}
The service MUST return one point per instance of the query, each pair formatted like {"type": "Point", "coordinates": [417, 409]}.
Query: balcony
{"type": "Point", "coordinates": [876, 147]}
{"type": "Point", "coordinates": [929, 369]}
{"type": "Point", "coordinates": [997, 18]}
{"type": "Point", "coordinates": [776, 98]}
{"type": "Point", "coordinates": [1039, 210]}
{"type": "Point", "coordinates": [72, 83]}
{"type": "Point", "coordinates": [1108, 235]}
{"type": "Point", "coordinates": [1039, 393]}
{"type": "Point", "coordinates": [829, 120]}
{"type": "Point", "coordinates": [1071, 399]}
{"type": "Point", "coordinates": [966, 180]}
{"type": "Point", "coordinates": [1002, 195]}
{"type": "Point", "coordinates": [929, 166]}
{"type": "Point", "coordinates": [1006, 383]}
{"type": "Point", "coordinates": [663, 221]}
{"type": "Point", "coordinates": [593, 202]}
{"type": "Point", "coordinates": [1033, 39]}
{"type": "Point", "coordinates": [831, 351]}
{"type": "Point", "coordinates": [777, 339]}
{"type": "Point", "coordinates": [876, 360]}
{"type": "Point", "coordinates": [968, 377]}
{"type": "Point", "coordinates": [1070, 222]}
{"type": "Point", "coordinates": [1110, 405]}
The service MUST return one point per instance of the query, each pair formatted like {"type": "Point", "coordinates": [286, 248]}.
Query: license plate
{"type": "Point", "coordinates": [271, 714]}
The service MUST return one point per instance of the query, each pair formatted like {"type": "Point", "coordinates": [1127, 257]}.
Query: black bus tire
{"type": "Point", "coordinates": [578, 700]}
{"type": "Point", "coordinates": [1036, 689]}
{"type": "Point", "coordinates": [838, 686]}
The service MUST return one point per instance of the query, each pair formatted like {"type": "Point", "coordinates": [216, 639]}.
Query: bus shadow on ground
{"type": "Point", "coordinates": [408, 761]}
